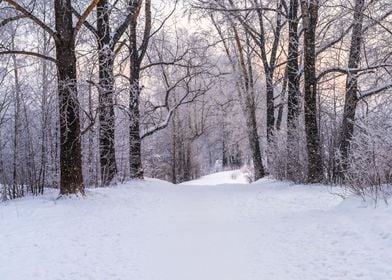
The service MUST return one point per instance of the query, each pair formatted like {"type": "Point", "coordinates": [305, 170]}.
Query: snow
{"type": "Point", "coordinates": [213, 228]}
{"type": "Point", "coordinates": [225, 177]}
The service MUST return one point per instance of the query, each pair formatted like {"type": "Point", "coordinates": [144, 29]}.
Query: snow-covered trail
{"type": "Point", "coordinates": [199, 230]}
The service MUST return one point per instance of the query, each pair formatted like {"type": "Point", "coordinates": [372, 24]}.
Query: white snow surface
{"type": "Point", "coordinates": [151, 229]}
{"type": "Point", "coordinates": [220, 178]}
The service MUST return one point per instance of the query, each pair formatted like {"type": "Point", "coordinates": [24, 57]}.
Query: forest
{"type": "Point", "coordinates": [195, 139]}
{"type": "Point", "coordinates": [99, 92]}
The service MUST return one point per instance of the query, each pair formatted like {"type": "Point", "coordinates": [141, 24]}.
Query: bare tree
{"type": "Point", "coordinates": [293, 101]}
{"type": "Point", "coordinates": [137, 54]}
{"type": "Point", "coordinates": [64, 35]}
{"type": "Point", "coordinates": [310, 18]}
{"type": "Point", "coordinates": [352, 83]}
{"type": "Point", "coordinates": [246, 91]}
{"type": "Point", "coordinates": [107, 40]}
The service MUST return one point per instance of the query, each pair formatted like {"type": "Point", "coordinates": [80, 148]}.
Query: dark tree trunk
{"type": "Point", "coordinates": [174, 151]}
{"type": "Point", "coordinates": [269, 81]}
{"type": "Point", "coordinates": [293, 80]}
{"type": "Point", "coordinates": [71, 179]}
{"type": "Point", "coordinates": [251, 120]}
{"type": "Point", "coordinates": [351, 100]}
{"type": "Point", "coordinates": [279, 118]}
{"type": "Point", "coordinates": [269, 64]}
{"type": "Point", "coordinates": [225, 161]}
{"type": "Point", "coordinates": [136, 169]}
{"type": "Point", "coordinates": [292, 67]}
{"type": "Point", "coordinates": [16, 159]}
{"type": "Point", "coordinates": [249, 108]}
{"type": "Point", "coordinates": [187, 162]}
{"type": "Point", "coordinates": [137, 54]}
{"type": "Point", "coordinates": [253, 136]}
{"type": "Point", "coordinates": [310, 18]}
{"type": "Point", "coordinates": [106, 84]}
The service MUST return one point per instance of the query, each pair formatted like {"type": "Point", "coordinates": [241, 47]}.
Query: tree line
{"type": "Point", "coordinates": [311, 53]}
{"type": "Point", "coordinates": [295, 89]}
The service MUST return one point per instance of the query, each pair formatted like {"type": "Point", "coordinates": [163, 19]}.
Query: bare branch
{"type": "Point", "coordinates": [8, 20]}
{"type": "Point", "coordinates": [147, 30]}
{"type": "Point", "coordinates": [84, 16]}
{"type": "Point", "coordinates": [28, 14]}
{"type": "Point", "coordinates": [343, 70]}
{"type": "Point", "coordinates": [85, 23]}
{"type": "Point", "coordinates": [374, 91]}
{"type": "Point", "coordinates": [28, 53]}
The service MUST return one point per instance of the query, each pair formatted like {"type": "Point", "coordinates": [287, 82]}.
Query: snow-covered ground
{"type": "Point", "coordinates": [220, 178]}
{"type": "Point", "coordinates": [155, 230]}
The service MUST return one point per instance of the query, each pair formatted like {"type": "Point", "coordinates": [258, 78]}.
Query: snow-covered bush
{"type": "Point", "coordinates": [287, 161]}
{"type": "Point", "coordinates": [277, 156]}
{"type": "Point", "coordinates": [248, 173]}
{"type": "Point", "coordinates": [369, 171]}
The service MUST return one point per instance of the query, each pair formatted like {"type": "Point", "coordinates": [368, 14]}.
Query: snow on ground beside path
{"type": "Point", "coordinates": [225, 177]}
{"type": "Point", "coordinates": [152, 229]}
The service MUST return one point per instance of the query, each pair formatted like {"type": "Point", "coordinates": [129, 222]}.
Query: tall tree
{"type": "Point", "coordinates": [310, 9]}
{"type": "Point", "coordinates": [64, 35]}
{"type": "Point", "coordinates": [268, 51]}
{"type": "Point", "coordinates": [293, 80]}
{"type": "Point", "coordinates": [107, 39]}
{"type": "Point", "coordinates": [269, 57]}
{"type": "Point", "coordinates": [246, 91]}
{"type": "Point", "coordinates": [137, 54]}
{"type": "Point", "coordinates": [107, 153]}
{"type": "Point", "coordinates": [351, 99]}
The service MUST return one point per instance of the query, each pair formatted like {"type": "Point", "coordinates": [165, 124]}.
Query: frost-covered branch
{"type": "Point", "coordinates": [374, 91]}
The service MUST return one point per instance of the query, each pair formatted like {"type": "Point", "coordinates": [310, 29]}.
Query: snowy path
{"type": "Point", "coordinates": [154, 230]}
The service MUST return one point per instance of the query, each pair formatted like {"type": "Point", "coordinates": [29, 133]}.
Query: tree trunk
{"type": "Point", "coordinates": [15, 180]}
{"type": "Point", "coordinates": [225, 161]}
{"type": "Point", "coordinates": [251, 125]}
{"type": "Point", "coordinates": [269, 64]}
{"type": "Point", "coordinates": [136, 169]}
{"type": "Point", "coordinates": [269, 82]}
{"type": "Point", "coordinates": [106, 106]}
{"type": "Point", "coordinates": [351, 100]}
{"type": "Point", "coordinates": [71, 178]}
{"type": "Point", "coordinates": [293, 109]}
{"type": "Point", "coordinates": [174, 151]}
{"type": "Point", "coordinates": [93, 163]}
{"type": "Point", "coordinates": [310, 18]}
{"type": "Point", "coordinates": [249, 107]}
{"type": "Point", "coordinates": [45, 127]}
{"type": "Point", "coordinates": [253, 136]}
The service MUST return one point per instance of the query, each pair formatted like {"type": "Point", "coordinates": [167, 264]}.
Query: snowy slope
{"type": "Point", "coordinates": [155, 230]}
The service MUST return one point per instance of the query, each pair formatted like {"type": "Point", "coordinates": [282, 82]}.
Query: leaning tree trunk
{"type": "Point", "coordinates": [293, 94]}
{"type": "Point", "coordinates": [310, 18]}
{"type": "Point", "coordinates": [71, 179]}
{"type": "Point", "coordinates": [107, 153]}
{"type": "Point", "coordinates": [351, 100]}
{"type": "Point", "coordinates": [253, 137]}
{"type": "Point", "coordinates": [249, 106]}
{"type": "Point", "coordinates": [251, 122]}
